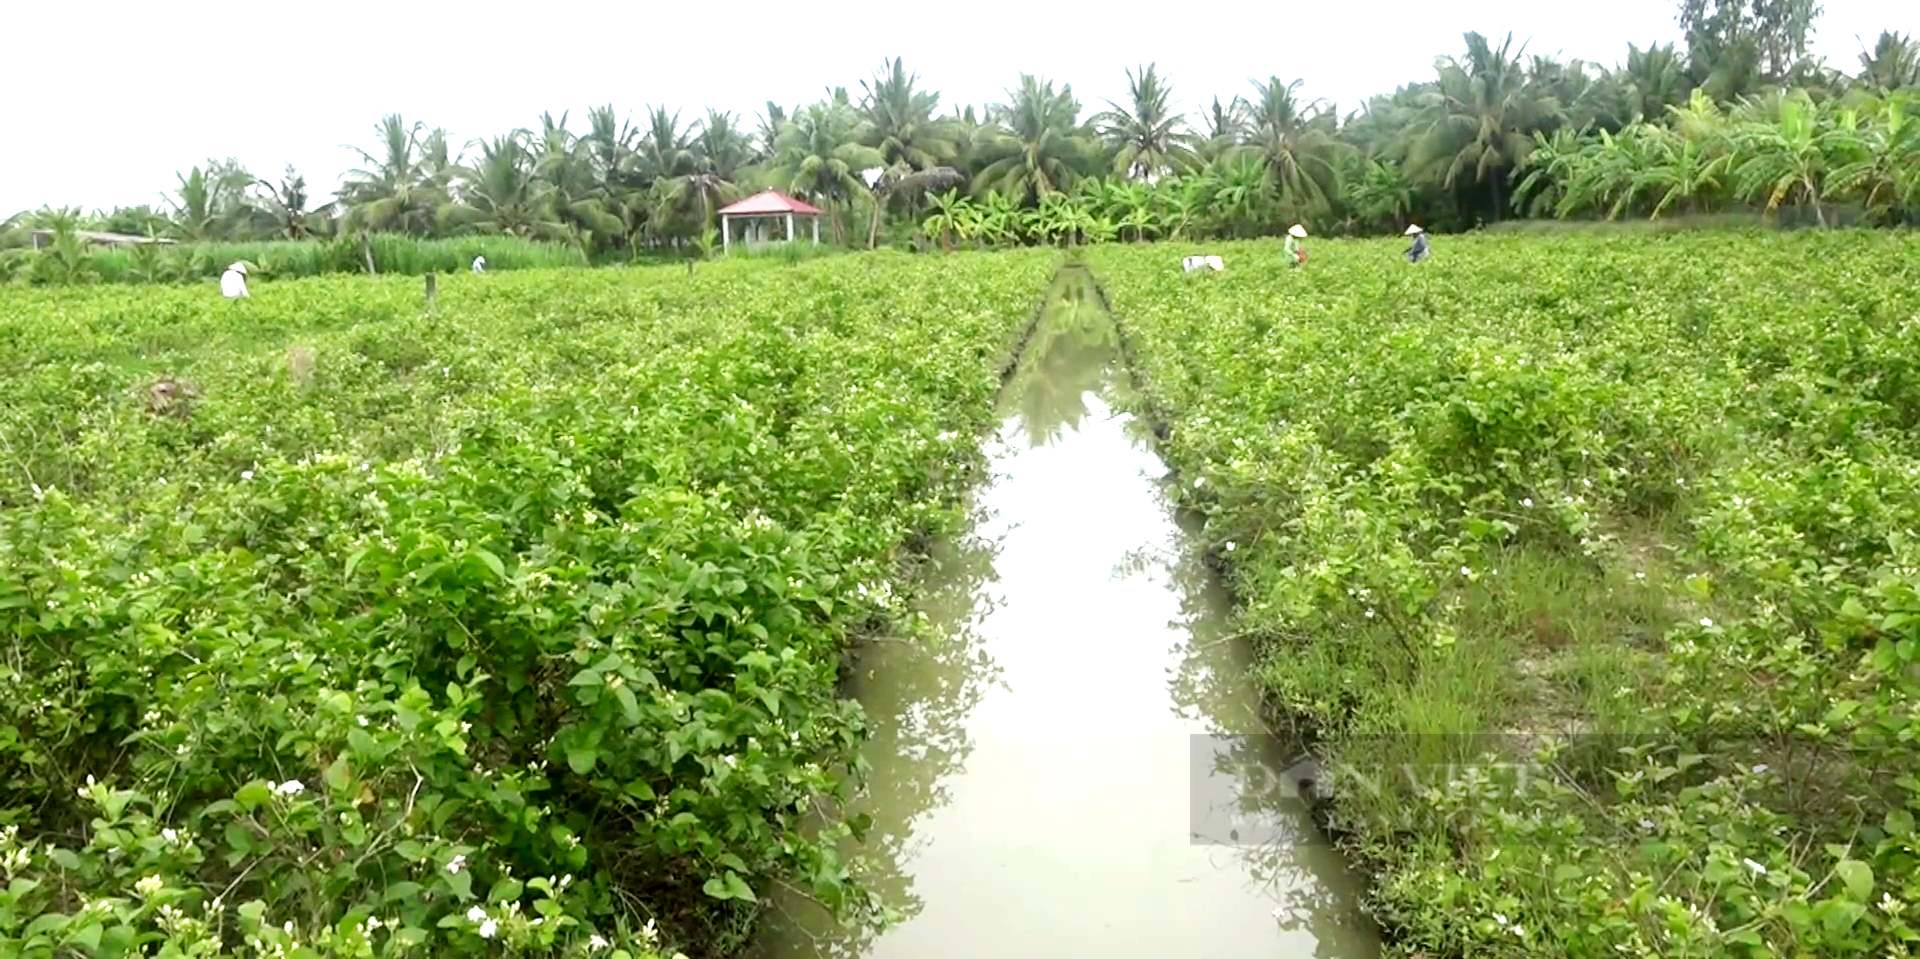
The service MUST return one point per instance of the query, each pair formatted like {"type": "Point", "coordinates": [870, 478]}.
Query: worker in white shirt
{"type": "Point", "coordinates": [233, 283]}
{"type": "Point", "coordinates": [480, 264]}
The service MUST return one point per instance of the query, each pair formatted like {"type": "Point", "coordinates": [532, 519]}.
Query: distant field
{"type": "Point", "coordinates": [1489, 508]}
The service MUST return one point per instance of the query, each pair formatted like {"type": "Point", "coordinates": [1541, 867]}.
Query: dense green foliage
{"type": "Point", "coordinates": [1491, 133]}
{"type": "Point", "coordinates": [1632, 516]}
{"type": "Point", "coordinates": [68, 261]}
{"type": "Point", "coordinates": [334, 626]}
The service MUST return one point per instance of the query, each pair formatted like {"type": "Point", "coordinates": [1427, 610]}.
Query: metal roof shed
{"type": "Point", "coordinates": [758, 210]}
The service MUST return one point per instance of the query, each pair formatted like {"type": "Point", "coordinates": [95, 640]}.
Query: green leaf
{"type": "Point", "coordinates": [729, 886]}
{"type": "Point", "coordinates": [628, 704]}
{"type": "Point", "coordinates": [581, 759]}
{"type": "Point", "coordinates": [506, 890]}
{"type": "Point", "coordinates": [253, 795]}
{"type": "Point", "coordinates": [1838, 915]}
{"type": "Point", "coordinates": [492, 561]}
{"type": "Point", "coordinates": [87, 936]}
{"type": "Point", "coordinates": [1899, 822]}
{"type": "Point", "coordinates": [1858, 877]}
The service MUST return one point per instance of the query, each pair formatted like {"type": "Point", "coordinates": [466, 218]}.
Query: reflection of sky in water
{"type": "Point", "coordinates": [1039, 778]}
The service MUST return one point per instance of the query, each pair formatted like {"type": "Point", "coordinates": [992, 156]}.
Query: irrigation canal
{"type": "Point", "coordinates": [1078, 769]}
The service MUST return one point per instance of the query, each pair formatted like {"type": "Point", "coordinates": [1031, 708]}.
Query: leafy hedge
{"type": "Point", "coordinates": [1630, 515]}
{"type": "Point", "coordinates": [338, 628]}
{"type": "Point", "coordinates": [282, 259]}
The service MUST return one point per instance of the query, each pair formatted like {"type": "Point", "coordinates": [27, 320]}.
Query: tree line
{"type": "Point", "coordinates": [1737, 117]}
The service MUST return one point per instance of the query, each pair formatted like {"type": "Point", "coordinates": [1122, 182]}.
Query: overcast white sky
{"type": "Point", "coordinates": [110, 99]}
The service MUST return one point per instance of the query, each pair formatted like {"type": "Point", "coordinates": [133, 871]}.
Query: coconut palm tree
{"type": "Point", "coordinates": [665, 148]}
{"type": "Point", "coordinates": [720, 146]}
{"type": "Point", "coordinates": [686, 203]}
{"type": "Point", "coordinates": [819, 155]}
{"type": "Point", "coordinates": [401, 184]}
{"type": "Point", "coordinates": [1653, 80]}
{"type": "Point", "coordinates": [282, 207]}
{"type": "Point", "coordinates": [1225, 126]}
{"type": "Point", "coordinates": [1893, 63]}
{"type": "Point", "coordinates": [901, 120]}
{"type": "Point", "coordinates": [1037, 145]}
{"type": "Point", "coordinates": [1150, 139]}
{"type": "Point", "coordinates": [571, 190]}
{"type": "Point", "coordinates": [503, 193]}
{"type": "Point", "coordinates": [1293, 140]}
{"type": "Point", "coordinates": [1481, 118]}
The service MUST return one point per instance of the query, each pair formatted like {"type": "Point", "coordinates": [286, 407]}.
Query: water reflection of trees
{"type": "Point", "coordinates": [1069, 358]}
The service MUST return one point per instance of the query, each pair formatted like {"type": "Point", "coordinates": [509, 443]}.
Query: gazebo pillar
{"type": "Point", "coordinates": [816, 231]}
{"type": "Point", "coordinates": [726, 234]}
{"type": "Point", "coordinates": [789, 228]}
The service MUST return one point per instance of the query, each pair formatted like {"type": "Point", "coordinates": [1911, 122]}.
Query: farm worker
{"type": "Point", "coordinates": [480, 264]}
{"type": "Point", "coordinates": [1295, 251]}
{"type": "Point", "coordinates": [1218, 264]}
{"type": "Point", "coordinates": [1192, 263]}
{"type": "Point", "coordinates": [233, 283]}
{"type": "Point", "coordinates": [1418, 251]}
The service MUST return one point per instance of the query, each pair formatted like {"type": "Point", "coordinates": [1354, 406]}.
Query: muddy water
{"type": "Point", "coordinates": [1076, 770]}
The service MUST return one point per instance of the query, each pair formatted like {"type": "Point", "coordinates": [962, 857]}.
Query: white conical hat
{"type": "Point", "coordinates": [239, 266]}
{"type": "Point", "coordinates": [1411, 230]}
{"type": "Point", "coordinates": [1297, 230]}
{"type": "Point", "coordinates": [1216, 263]}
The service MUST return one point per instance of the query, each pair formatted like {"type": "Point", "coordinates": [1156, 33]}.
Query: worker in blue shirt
{"type": "Point", "coordinates": [1418, 251]}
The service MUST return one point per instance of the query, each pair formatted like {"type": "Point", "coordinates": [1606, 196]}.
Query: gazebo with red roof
{"type": "Point", "coordinates": [760, 208]}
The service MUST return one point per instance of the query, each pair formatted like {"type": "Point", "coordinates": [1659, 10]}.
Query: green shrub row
{"type": "Point", "coordinates": [1588, 561]}
{"type": "Point", "coordinates": [335, 627]}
